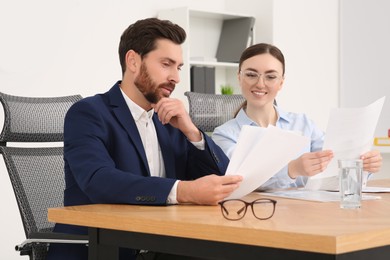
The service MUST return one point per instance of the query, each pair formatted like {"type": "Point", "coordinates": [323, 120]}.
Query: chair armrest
{"type": "Point", "coordinates": [48, 238]}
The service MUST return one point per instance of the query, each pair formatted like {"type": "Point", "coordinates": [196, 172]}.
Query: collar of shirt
{"type": "Point", "coordinates": [243, 119]}
{"type": "Point", "coordinates": [137, 112]}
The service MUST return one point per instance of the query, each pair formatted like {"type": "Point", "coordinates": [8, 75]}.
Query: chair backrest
{"type": "Point", "coordinates": [208, 111]}
{"type": "Point", "coordinates": [34, 119]}
{"type": "Point", "coordinates": [36, 173]}
{"type": "Point", "coordinates": [37, 177]}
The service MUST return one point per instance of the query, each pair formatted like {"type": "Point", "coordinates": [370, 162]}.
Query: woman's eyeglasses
{"type": "Point", "coordinates": [252, 78]}
{"type": "Point", "coordinates": [235, 209]}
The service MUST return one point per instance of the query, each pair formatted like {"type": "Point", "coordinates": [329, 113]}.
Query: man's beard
{"type": "Point", "coordinates": [148, 88]}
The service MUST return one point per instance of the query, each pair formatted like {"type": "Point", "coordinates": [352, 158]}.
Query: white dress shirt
{"type": "Point", "coordinates": [226, 137]}
{"type": "Point", "coordinates": [147, 131]}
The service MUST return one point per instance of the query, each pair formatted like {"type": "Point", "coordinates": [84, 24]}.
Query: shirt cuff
{"type": "Point", "coordinates": [290, 180]}
{"type": "Point", "coordinates": [199, 144]}
{"type": "Point", "coordinates": [365, 177]}
{"type": "Point", "coordinates": [172, 197]}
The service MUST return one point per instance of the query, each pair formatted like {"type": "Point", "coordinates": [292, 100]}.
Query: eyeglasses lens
{"type": "Point", "coordinates": [252, 78]}
{"type": "Point", "coordinates": [234, 209]}
{"type": "Point", "coordinates": [263, 209]}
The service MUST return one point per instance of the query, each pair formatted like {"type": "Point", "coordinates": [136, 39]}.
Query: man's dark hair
{"type": "Point", "coordinates": [142, 35]}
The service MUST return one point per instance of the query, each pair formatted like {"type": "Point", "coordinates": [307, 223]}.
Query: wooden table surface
{"type": "Point", "coordinates": [297, 224]}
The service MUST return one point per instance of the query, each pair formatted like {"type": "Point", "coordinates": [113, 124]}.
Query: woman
{"type": "Point", "coordinates": [261, 77]}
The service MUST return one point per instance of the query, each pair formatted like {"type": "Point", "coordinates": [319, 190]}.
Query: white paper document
{"type": "Point", "coordinates": [260, 153]}
{"type": "Point", "coordinates": [349, 134]}
{"type": "Point", "coordinates": [369, 189]}
{"type": "Point", "coordinates": [313, 195]}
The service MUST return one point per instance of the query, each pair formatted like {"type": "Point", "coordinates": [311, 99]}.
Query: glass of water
{"type": "Point", "coordinates": [350, 175]}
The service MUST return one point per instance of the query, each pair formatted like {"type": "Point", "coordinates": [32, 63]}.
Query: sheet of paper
{"type": "Point", "coordinates": [349, 134]}
{"type": "Point", "coordinates": [260, 153]}
{"type": "Point", "coordinates": [313, 195]}
{"type": "Point", "coordinates": [369, 189]}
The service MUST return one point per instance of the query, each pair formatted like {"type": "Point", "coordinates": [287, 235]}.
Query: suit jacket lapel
{"type": "Point", "coordinates": [166, 147]}
{"type": "Point", "coordinates": [122, 113]}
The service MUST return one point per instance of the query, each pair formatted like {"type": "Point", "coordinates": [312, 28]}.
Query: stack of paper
{"type": "Point", "coordinates": [313, 195]}
{"type": "Point", "coordinates": [260, 153]}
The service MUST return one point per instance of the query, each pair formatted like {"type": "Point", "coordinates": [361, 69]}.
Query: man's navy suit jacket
{"type": "Point", "coordinates": [105, 160]}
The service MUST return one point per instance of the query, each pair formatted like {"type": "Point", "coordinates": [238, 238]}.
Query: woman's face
{"type": "Point", "coordinates": [261, 77]}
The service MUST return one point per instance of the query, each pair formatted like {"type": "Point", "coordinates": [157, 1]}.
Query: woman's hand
{"type": "Point", "coordinates": [372, 161]}
{"type": "Point", "coordinates": [309, 164]}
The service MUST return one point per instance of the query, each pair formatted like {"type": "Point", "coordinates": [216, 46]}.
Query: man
{"type": "Point", "coordinates": [136, 145]}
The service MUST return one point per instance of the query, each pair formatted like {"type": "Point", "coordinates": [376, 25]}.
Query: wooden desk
{"type": "Point", "coordinates": [298, 230]}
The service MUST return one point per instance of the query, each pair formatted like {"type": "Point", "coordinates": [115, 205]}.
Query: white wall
{"type": "Point", "coordinates": [364, 61]}
{"type": "Point", "coordinates": [63, 47]}
{"type": "Point", "coordinates": [365, 55]}
{"type": "Point", "coordinates": [307, 32]}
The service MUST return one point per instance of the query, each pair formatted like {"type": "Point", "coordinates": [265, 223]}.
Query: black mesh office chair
{"type": "Point", "coordinates": [208, 111]}
{"type": "Point", "coordinates": [36, 173]}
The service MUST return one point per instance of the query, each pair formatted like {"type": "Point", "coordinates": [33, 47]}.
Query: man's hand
{"type": "Point", "coordinates": [208, 190]}
{"type": "Point", "coordinates": [172, 111]}
{"type": "Point", "coordinates": [309, 164]}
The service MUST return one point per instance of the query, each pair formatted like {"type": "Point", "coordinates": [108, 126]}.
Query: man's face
{"type": "Point", "coordinates": [159, 71]}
